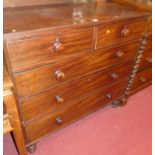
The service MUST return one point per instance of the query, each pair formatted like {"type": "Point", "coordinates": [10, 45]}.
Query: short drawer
{"type": "Point", "coordinates": [119, 32]}
{"type": "Point", "coordinates": [31, 50]}
{"type": "Point", "coordinates": [142, 78]}
{"type": "Point", "coordinates": [32, 82]}
{"type": "Point", "coordinates": [68, 114]}
{"type": "Point", "coordinates": [59, 96]}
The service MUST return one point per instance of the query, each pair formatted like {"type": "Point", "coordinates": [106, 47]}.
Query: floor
{"type": "Point", "coordinates": [120, 131]}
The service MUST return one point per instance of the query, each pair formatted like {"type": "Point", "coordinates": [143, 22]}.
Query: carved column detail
{"type": "Point", "coordinates": [136, 65]}
{"type": "Point", "coordinates": [123, 99]}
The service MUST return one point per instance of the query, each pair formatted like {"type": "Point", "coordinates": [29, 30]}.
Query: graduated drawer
{"type": "Point", "coordinates": [146, 60]}
{"type": "Point", "coordinates": [30, 50]}
{"type": "Point", "coordinates": [68, 114]}
{"type": "Point", "coordinates": [142, 78]}
{"type": "Point", "coordinates": [113, 33]}
{"type": "Point", "coordinates": [34, 81]}
{"type": "Point", "coordinates": [149, 25]}
{"type": "Point", "coordinates": [59, 96]}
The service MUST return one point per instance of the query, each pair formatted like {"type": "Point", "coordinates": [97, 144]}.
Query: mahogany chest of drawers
{"type": "Point", "coordinates": [67, 61]}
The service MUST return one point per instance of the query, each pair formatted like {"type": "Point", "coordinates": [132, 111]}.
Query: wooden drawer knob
{"type": "Point", "coordinates": [143, 79]}
{"type": "Point", "coordinates": [59, 99]}
{"type": "Point", "coordinates": [109, 96]}
{"type": "Point", "coordinates": [148, 60]}
{"type": "Point", "coordinates": [125, 32]}
{"type": "Point", "coordinates": [114, 75]}
{"type": "Point", "coordinates": [119, 54]}
{"type": "Point", "coordinates": [58, 46]}
{"type": "Point", "coordinates": [58, 120]}
{"type": "Point", "coordinates": [60, 75]}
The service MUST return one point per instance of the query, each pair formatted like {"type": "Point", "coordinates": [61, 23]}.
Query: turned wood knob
{"type": "Point", "coordinates": [58, 46]}
{"type": "Point", "coordinates": [119, 54]}
{"type": "Point", "coordinates": [114, 75]}
{"type": "Point", "coordinates": [143, 79]}
{"type": "Point", "coordinates": [59, 99]}
{"type": "Point", "coordinates": [109, 96]}
{"type": "Point", "coordinates": [60, 75]}
{"type": "Point", "coordinates": [125, 32]}
{"type": "Point", "coordinates": [148, 60]}
{"type": "Point", "coordinates": [58, 120]}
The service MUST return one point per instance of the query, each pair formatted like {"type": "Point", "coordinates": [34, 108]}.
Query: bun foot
{"type": "Point", "coordinates": [115, 104]}
{"type": "Point", "coordinates": [31, 148]}
{"type": "Point", "coordinates": [120, 102]}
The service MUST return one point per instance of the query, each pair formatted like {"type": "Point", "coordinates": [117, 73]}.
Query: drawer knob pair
{"type": "Point", "coordinates": [125, 31]}
{"type": "Point", "coordinates": [59, 99]}
{"type": "Point", "coordinates": [109, 96]}
{"type": "Point", "coordinates": [119, 54]}
{"type": "Point", "coordinates": [143, 79]}
{"type": "Point", "coordinates": [58, 46]}
{"type": "Point", "coordinates": [60, 75]}
{"type": "Point", "coordinates": [58, 120]}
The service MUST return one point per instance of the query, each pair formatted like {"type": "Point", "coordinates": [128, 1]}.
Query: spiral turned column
{"type": "Point", "coordinates": [122, 101]}
{"type": "Point", "coordinates": [136, 65]}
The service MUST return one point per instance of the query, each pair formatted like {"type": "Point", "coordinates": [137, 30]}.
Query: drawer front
{"type": "Point", "coordinates": [68, 92]}
{"type": "Point", "coordinates": [118, 32]}
{"type": "Point", "coordinates": [32, 50]}
{"type": "Point", "coordinates": [146, 60]}
{"type": "Point", "coordinates": [142, 78]}
{"type": "Point", "coordinates": [71, 113]}
{"type": "Point", "coordinates": [149, 25]}
{"type": "Point", "coordinates": [35, 81]}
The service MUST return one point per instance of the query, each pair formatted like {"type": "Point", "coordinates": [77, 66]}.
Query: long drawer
{"type": "Point", "coordinates": [109, 34]}
{"type": "Point", "coordinates": [142, 78]}
{"type": "Point", "coordinates": [31, 50]}
{"type": "Point", "coordinates": [71, 113]}
{"type": "Point", "coordinates": [57, 97]}
{"type": "Point", "coordinates": [34, 81]}
{"type": "Point", "coordinates": [146, 60]}
{"type": "Point", "coordinates": [149, 25]}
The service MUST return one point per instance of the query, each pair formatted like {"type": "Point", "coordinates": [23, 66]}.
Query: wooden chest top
{"type": "Point", "coordinates": [38, 17]}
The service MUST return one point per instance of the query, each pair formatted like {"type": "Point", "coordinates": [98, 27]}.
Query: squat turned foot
{"type": "Point", "coordinates": [119, 102]}
{"type": "Point", "coordinates": [31, 148]}
{"type": "Point", "coordinates": [116, 103]}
